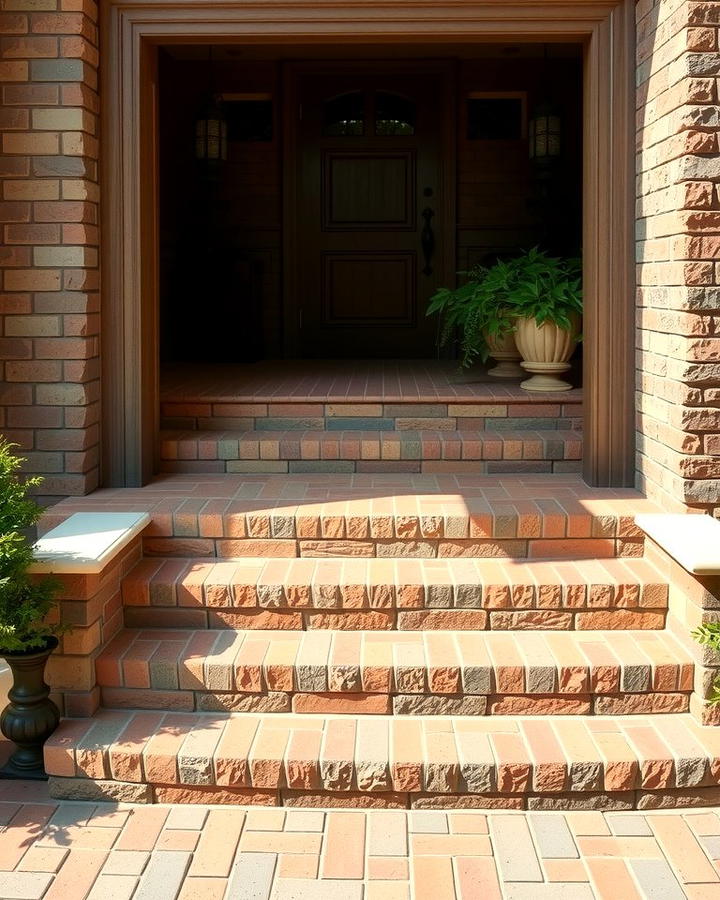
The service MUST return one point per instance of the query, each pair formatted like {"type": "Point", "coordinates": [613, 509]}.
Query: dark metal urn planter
{"type": "Point", "coordinates": [30, 717]}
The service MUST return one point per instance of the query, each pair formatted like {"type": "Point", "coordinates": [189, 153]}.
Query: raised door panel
{"type": "Point", "coordinates": [368, 289]}
{"type": "Point", "coordinates": [371, 190]}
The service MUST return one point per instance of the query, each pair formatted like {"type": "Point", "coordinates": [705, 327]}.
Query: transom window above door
{"type": "Point", "coordinates": [387, 112]}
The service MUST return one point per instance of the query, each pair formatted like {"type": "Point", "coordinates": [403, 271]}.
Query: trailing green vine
{"type": "Point", "coordinates": [708, 635]}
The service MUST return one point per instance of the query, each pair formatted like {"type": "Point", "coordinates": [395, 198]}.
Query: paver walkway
{"type": "Point", "coordinates": [70, 851]}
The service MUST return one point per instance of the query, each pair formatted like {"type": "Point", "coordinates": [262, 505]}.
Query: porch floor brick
{"type": "Point", "coordinates": [349, 385]}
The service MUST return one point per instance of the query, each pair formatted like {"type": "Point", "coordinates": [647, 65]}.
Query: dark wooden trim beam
{"type": "Point", "coordinates": [609, 252]}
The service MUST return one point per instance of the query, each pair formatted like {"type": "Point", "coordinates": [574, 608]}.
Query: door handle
{"type": "Point", "coordinates": [427, 239]}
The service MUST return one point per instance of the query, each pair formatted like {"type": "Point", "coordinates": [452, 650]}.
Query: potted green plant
{"type": "Point", "coordinates": [545, 296]}
{"type": "Point", "coordinates": [27, 637]}
{"type": "Point", "coordinates": [479, 312]}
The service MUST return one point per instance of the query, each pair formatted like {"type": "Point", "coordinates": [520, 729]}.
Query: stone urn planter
{"type": "Point", "coordinates": [30, 717]}
{"type": "Point", "coordinates": [28, 624]}
{"type": "Point", "coordinates": [545, 351]}
{"type": "Point", "coordinates": [504, 350]}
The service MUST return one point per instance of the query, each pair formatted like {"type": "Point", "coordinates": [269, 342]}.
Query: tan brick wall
{"type": "Point", "coordinates": [678, 252]}
{"type": "Point", "coordinates": [49, 304]}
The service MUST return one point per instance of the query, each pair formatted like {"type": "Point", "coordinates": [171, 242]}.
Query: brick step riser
{"type": "Point", "coordinates": [393, 548]}
{"type": "Point", "coordinates": [621, 801]}
{"type": "Point", "coordinates": [393, 594]}
{"type": "Point", "coordinates": [415, 704]}
{"type": "Point", "coordinates": [388, 446]}
{"type": "Point", "coordinates": [334, 451]}
{"type": "Point", "coordinates": [334, 416]}
{"type": "Point", "coordinates": [389, 526]}
{"type": "Point", "coordinates": [351, 467]}
{"type": "Point", "coordinates": [391, 620]}
{"type": "Point", "coordinates": [328, 585]}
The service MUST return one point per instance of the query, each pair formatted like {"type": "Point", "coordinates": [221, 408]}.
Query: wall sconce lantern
{"type": "Point", "coordinates": [211, 132]}
{"type": "Point", "coordinates": [211, 125]}
{"type": "Point", "coordinates": [544, 134]}
{"type": "Point", "coordinates": [544, 129]}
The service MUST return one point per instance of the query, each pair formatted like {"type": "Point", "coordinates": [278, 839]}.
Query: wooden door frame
{"type": "Point", "coordinates": [445, 69]}
{"type": "Point", "coordinates": [131, 32]}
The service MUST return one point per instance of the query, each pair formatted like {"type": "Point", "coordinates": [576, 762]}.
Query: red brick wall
{"type": "Point", "coordinates": [678, 252]}
{"type": "Point", "coordinates": [49, 304]}
{"type": "Point", "coordinates": [92, 605]}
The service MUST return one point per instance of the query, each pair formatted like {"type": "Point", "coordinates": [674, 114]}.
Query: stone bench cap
{"type": "Point", "coordinates": [692, 540]}
{"type": "Point", "coordinates": [86, 542]}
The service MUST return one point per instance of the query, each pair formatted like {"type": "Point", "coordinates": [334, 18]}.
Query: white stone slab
{"type": "Point", "coordinates": [692, 540]}
{"type": "Point", "coordinates": [86, 542]}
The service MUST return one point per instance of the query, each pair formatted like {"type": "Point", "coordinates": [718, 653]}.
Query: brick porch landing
{"type": "Point", "coordinates": [344, 381]}
{"type": "Point", "coordinates": [364, 416]}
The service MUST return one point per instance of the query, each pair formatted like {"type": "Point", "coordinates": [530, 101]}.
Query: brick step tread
{"type": "Point", "coordinates": [425, 444]}
{"type": "Point", "coordinates": [552, 510]}
{"type": "Point", "coordinates": [376, 755]}
{"type": "Point", "coordinates": [353, 584]}
{"type": "Point", "coordinates": [326, 671]}
{"type": "Point", "coordinates": [359, 397]}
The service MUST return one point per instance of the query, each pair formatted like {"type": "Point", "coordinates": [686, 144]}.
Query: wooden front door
{"type": "Point", "coordinates": [372, 227]}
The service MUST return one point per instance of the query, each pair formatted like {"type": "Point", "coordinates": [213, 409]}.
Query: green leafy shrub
{"type": "Point", "coordinates": [24, 601]}
{"type": "Point", "coordinates": [533, 284]}
{"type": "Point", "coordinates": [545, 288]}
{"type": "Point", "coordinates": [709, 636]}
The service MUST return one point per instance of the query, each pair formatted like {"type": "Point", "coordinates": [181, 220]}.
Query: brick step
{"type": "Point", "coordinates": [316, 760]}
{"type": "Point", "coordinates": [432, 673]}
{"type": "Point", "coordinates": [490, 406]}
{"type": "Point", "coordinates": [540, 516]}
{"type": "Point", "coordinates": [335, 450]}
{"type": "Point", "coordinates": [403, 594]}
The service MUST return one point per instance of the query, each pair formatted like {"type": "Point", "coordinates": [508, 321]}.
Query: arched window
{"type": "Point", "coordinates": [394, 114]}
{"type": "Point", "coordinates": [345, 114]}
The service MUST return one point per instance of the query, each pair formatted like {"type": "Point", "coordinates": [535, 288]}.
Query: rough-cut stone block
{"type": "Point", "coordinates": [86, 789]}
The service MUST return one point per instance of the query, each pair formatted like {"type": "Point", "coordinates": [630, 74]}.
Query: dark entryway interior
{"type": "Point", "coordinates": [238, 285]}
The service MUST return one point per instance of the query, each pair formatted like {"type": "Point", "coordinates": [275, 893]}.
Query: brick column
{"type": "Point", "coordinates": [678, 252]}
{"type": "Point", "coordinates": [92, 605]}
{"type": "Point", "coordinates": [49, 305]}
